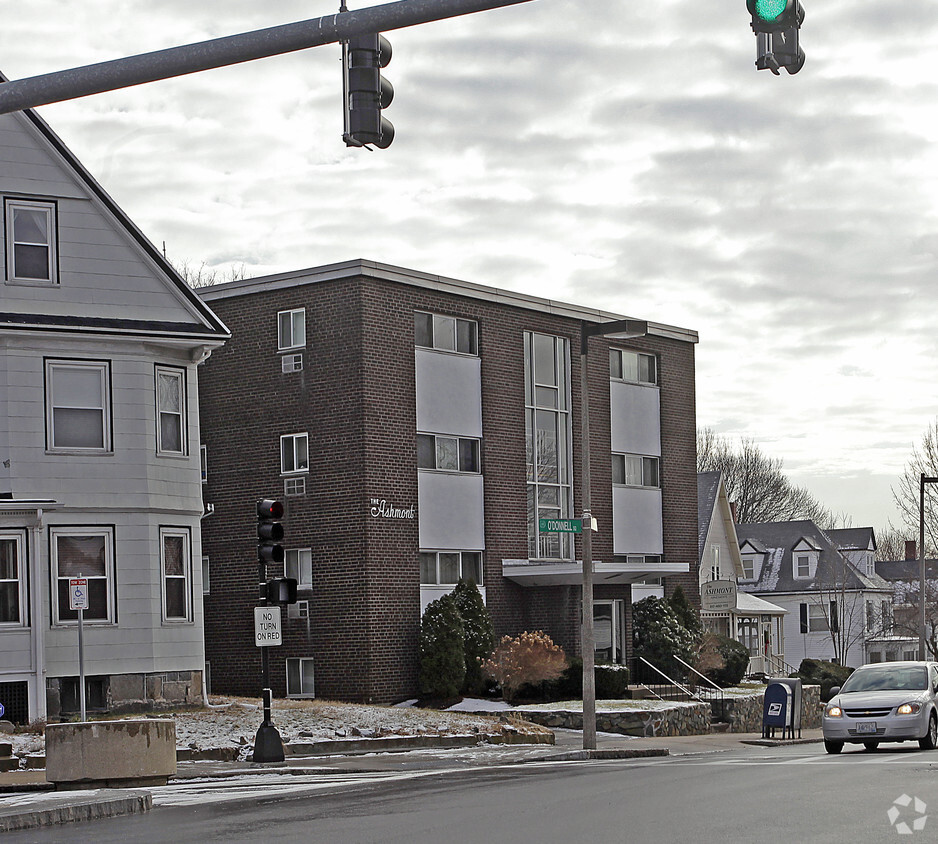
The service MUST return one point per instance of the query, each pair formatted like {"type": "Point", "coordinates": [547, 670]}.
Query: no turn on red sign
{"type": "Point", "coordinates": [267, 628]}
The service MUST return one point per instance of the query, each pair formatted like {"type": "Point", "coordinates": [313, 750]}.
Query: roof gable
{"type": "Point", "coordinates": [109, 278]}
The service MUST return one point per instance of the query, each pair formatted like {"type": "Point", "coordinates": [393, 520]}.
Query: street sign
{"type": "Point", "coordinates": [78, 593]}
{"type": "Point", "coordinates": [267, 628]}
{"type": "Point", "coordinates": [560, 525]}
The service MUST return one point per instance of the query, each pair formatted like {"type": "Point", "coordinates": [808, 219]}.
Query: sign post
{"type": "Point", "coordinates": [78, 600]}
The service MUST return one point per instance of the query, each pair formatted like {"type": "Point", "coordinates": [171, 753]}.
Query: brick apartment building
{"type": "Point", "coordinates": [416, 428]}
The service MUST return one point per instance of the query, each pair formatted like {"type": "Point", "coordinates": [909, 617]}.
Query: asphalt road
{"type": "Point", "coordinates": [753, 794]}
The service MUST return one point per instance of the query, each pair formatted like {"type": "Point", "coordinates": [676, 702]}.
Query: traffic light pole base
{"type": "Point", "coordinates": [268, 745]}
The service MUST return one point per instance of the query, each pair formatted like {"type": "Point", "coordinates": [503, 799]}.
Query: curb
{"type": "Point", "coordinates": [780, 742]}
{"type": "Point", "coordinates": [612, 753]}
{"type": "Point", "coordinates": [63, 808]}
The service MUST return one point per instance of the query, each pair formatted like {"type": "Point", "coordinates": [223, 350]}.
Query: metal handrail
{"type": "Point", "coordinates": [666, 677]}
{"type": "Point", "coordinates": [714, 694]}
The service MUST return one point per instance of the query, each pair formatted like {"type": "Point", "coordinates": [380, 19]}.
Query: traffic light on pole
{"type": "Point", "coordinates": [269, 531]}
{"type": "Point", "coordinates": [367, 92]}
{"type": "Point", "coordinates": [776, 24]}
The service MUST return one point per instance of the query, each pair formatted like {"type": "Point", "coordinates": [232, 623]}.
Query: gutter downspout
{"type": "Point", "coordinates": [38, 622]}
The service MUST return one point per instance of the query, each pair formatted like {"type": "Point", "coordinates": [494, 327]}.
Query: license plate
{"type": "Point", "coordinates": [866, 727]}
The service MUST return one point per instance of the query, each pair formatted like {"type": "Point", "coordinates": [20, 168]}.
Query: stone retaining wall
{"type": "Point", "coordinates": [744, 714]}
{"type": "Point", "coordinates": [679, 720]}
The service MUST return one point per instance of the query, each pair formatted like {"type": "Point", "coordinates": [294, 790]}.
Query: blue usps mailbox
{"type": "Point", "coordinates": [777, 710]}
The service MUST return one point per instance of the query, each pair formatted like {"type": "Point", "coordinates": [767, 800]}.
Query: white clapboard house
{"type": "Point", "coordinates": [100, 342]}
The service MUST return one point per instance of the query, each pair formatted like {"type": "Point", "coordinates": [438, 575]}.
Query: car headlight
{"type": "Point", "coordinates": [909, 709]}
{"type": "Point", "coordinates": [834, 712]}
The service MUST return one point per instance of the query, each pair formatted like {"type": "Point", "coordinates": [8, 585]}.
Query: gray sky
{"type": "Point", "coordinates": [622, 155]}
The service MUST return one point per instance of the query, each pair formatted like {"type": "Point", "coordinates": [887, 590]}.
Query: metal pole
{"type": "Point", "coordinates": [586, 628]}
{"type": "Point", "coordinates": [81, 663]}
{"type": "Point", "coordinates": [921, 567]}
{"type": "Point", "coordinates": [234, 49]}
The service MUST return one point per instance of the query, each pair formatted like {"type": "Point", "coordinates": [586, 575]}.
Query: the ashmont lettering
{"type": "Point", "coordinates": [380, 509]}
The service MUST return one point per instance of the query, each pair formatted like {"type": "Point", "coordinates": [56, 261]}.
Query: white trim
{"type": "Point", "coordinates": [18, 538]}
{"type": "Point", "coordinates": [186, 576]}
{"type": "Point", "coordinates": [61, 531]}
{"type": "Point", "coordinates": [178, 376]}
{"type": "Point", "coordinates": [103, 368]}
{"type": "Point", "coordinates": [48, 208]}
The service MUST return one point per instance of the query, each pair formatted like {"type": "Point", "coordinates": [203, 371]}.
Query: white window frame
{"type": "Point", "coordinates": [18, 538]}
{"type": "Point", "coordinates": [49, 209]}
{"type": "Point", "coordinates": [186, 575]}
{"type": "Point", "coordinates": [802, 572]}
{"type": "Point", "coordinates": [626, 365]}
{"type": "Point", "coordinates": [57, 532]}
{"type": "Point", "coordinates": [637, 470]}
{"type": "Point", "coordinates": [296, 454]}
{"type": "Point", "coordinates": [291, 329]}
{"type": "Point", "coordinates": [439, 453]}
{"type": "Point", "coordinates": [55, 368]}
{"type": "Point", "coordinates": [749, 568]}
{"type": "Point", "coordinates": [177, 376]}
{"type": "Point", "coordinates": [203, 463]}
{"type": "Point", "coordinates": [818, 618]}
{"type": "Point", "coordinates": [437, 581]}
{"type": "Point", "coordinates": [301, 664]}
{"type": "Point", "coordinates": [715, 562]}
{"type": "Point", "coordinates": [206, 575]}
{"type": "Point", "coordinates": [298, 563]}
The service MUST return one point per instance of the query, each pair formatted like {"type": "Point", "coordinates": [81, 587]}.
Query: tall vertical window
{"type": "Point", "coordinates": [715, 562]}
{"type": "Point", "coordinates": [78, 405]}
{"type": "Point", "coordinates": [633, 366]}
{"type": "Point", "coordinates": [298, 563]}
{"type": "Point", "coordinates": [291, 329]}
{"type": "Point", "coordinates": [294, 453]}
{"type": "Point", "coordinates": [547, 436]}
{"type": "Point", "coordinates": [170, 410]}
{"type": "Point", "coordinates": [30, 240]}
{"type": "Point", "coordinates": [85, 552]}
{"type": "Point", "coordinates": [12, 580]}
{"type": "Point", "coordinates": [177, 574]}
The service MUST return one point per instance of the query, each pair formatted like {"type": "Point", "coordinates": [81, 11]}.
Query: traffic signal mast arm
{"type": "Point", "coordinates": [62, 85]}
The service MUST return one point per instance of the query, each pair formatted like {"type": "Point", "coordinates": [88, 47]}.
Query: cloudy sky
{"type": "Point", "coordinates": [622, 155]}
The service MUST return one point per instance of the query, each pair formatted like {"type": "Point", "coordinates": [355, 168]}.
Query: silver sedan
{"type": "Point", "coordinates": [885, 701]}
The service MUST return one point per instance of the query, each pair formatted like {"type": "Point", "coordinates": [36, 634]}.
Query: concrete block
{"type": "Point", "coordinates": [110, 753]}
{"type": "Point", "coordinates": [6, 748]}
{"type": "Point", "coordinates": [127, 688]}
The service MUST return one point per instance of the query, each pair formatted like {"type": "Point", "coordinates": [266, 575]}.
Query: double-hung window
{"type": "Point", "coordinates": [78, 405]}
{"type": "Point", "coordinates": [176, 567]}
{"type": "Point", "coordinates": [170, 410]}
{"type": "Point", "coordinates": [636, 470]}
{"type": "Point", "coordinates": [294, 453]}
{"type": "Point", "coordinates": [86, 552]}
{"type": "Point", "coordinates": [291, 329]}
{"type": "Point", "coordinates": [30, 227]}
{"type": "Point", "coordinates": [453, 454]}
{"type": "Point", "coordinates": [633, 366]}
{"type": "Point", "coordinates": [298, 564]}
{"type": "Point", "coordinates": [13, 612]}
{"type": "Point", "coordinates": [447, 334]}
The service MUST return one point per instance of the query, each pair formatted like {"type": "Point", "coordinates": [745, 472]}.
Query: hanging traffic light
{"type": "Point", "coordinates": [367, 92]}
{"type": "Point", "coordinates": [776, 24]}
{"type": "Point", "coordinates": [269, 531]}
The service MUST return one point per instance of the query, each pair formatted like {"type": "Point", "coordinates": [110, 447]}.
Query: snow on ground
{"type": "Point", "coordinates": [231, 721]}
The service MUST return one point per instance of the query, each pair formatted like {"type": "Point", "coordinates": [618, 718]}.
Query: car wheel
{"type": "Point", "coordinates": [930, 739]}
{"type": "Point", "coordinates": [871, 745]}
{"type": "Point", "coordinates": [833, 746]}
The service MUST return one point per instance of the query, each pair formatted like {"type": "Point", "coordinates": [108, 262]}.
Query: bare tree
{"type": "Point", "coordinates": [890, 542]}
{"type": "Point", "coordinates": [205, 276]}
{"type": "Point", "coordinates": [755, 482]}
{"type": "Point", "coordinates": [842, 601]}
{"type": "Point", "coordinates": [907, 615]}
{"type": "Point", "coordinates": [924, 459]}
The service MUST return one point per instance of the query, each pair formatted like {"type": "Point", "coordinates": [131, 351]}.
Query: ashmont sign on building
{"type": "Point", "coordinates": [718, 596]}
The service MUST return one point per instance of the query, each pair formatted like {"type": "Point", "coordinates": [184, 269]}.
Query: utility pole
{"type": "Point", "coordinates": [62, 85]}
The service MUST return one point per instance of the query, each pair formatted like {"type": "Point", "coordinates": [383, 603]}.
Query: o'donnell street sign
{"type": "Point", "coordinates": [560, 525]}
{"type": "Point", "coordinates": [267, 629]}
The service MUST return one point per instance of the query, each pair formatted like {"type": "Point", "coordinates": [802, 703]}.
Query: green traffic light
{"type": "Point", "coordinates": [769, 10]}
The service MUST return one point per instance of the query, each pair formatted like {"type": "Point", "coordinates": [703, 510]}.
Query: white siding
{"type": "Point", "coordinates": [450, 512]}
{"type": "Point", "coordinates": [635, 419]}
{"type": "Point", "coordinates": [449, 393]}
{"type": "Point", "coordinates": [637, 524]}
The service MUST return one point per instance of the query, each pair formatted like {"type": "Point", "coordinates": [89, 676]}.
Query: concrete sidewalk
{"type": "Point", "coordinates": [28, 801]}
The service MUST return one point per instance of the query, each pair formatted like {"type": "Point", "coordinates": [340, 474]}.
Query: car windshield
{"type": "Point", "coordinates": [887, 678]}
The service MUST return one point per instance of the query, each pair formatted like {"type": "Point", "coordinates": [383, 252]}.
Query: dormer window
{"type": "Point", "coordinates": [803, 566]}
{"type": "Point", "coordinates": [804, 559]}
{"type": "Point", "coordinates": [749, 565]}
